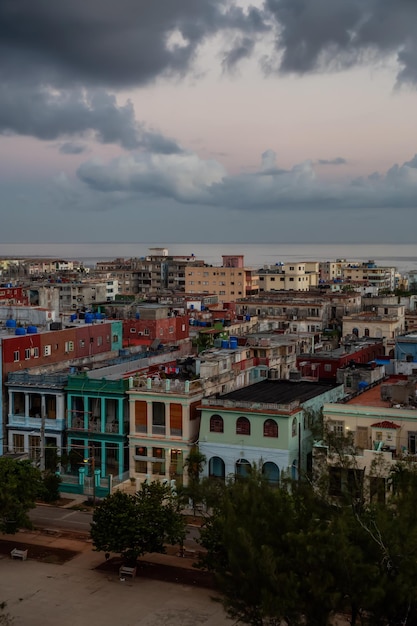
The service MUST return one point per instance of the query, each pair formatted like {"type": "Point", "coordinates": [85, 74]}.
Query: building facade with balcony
{"type": "Point", "coordinates": [380, 424]}
{"type": "Point", "coordinates": [164, 423]}
{"type": "Point", "coordinates": [36, 415]}
{"type": "Point", "coordinates": [98, 423]}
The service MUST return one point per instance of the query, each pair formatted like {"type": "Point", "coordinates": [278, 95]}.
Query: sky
{"type": "Point", "coordinates": [208, 121]}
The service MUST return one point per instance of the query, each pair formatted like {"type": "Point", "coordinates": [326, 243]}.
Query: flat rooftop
{"type": "Point", "coordinates": [279, 391]}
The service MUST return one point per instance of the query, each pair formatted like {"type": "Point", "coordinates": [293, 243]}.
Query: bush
{"type": "Point", "coordinates": [51, 483]}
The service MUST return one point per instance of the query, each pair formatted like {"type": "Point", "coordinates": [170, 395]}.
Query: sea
{"type": "Point", "coordinates": [257, 255]}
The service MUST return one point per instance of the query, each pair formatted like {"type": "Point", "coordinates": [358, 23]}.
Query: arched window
{"type": "Point", "coordinates": [242, 468]}
{"type": "Point", "coordinates": [271, 472]}
{"type": "Point", "coordinates": [270, 428]}
{"type": "Point", "coordinates": [294, 427]}
{"type": "Point", "coordinates": [216, 467]}
{"type": "Point", "coordinates": [355, 331]}
{"type": "Point", "coordinates": [242, 426]}
{"type": "Point", "coordinates": [366, 332]}
{"type": "Point", "coordinates": [216, 424]}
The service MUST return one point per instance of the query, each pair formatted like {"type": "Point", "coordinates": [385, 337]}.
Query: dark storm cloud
{"type": "Point", "coordinates": [71, 147]}
{"type": "Point", "coordinates": [47, 114]}
{"type": "Point", "coordinates": [124, 43]}
{"type": "Point", "coordinates": [317, 35]}
{"type": "Point", "coordinates": [335, 161]}
{"type": "Point", "coordinates": [58, 61]}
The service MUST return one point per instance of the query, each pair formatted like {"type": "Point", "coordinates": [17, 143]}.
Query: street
{"type": "Point", "coordinates": [55, 517]}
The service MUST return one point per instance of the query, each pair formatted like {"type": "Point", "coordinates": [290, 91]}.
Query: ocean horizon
{"type": "Point", "coordinates": [401, 256]}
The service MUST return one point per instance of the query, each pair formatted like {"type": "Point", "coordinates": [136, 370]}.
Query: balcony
{"type": "Point", "coordinates": [34, 423]}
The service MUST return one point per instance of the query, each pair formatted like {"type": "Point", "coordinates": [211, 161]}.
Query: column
{"type": "Point", "coordinates": [11, 403]}
{"type": "Point", "coordinates": [149, 417]}
{"type": "Point", "coordinates": [121, 458]}
{"type": "Point", "coordinates": [27, 404]}
{"type": "Point", "coordinates": [103, 458]}
{"type": "Point", "coordinates": [167, 419]}
{"type": "Point", "coordinates": [43, 405]}
{"type": "Point", "coordinates": [103, 415]}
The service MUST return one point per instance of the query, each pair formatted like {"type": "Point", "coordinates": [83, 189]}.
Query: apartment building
{"type": "Point", "coordinates": [294, 276]}
{"type": "Point", "coordinates": [229, 282]}
{"type": "Point", "coordinates": [381, 425]}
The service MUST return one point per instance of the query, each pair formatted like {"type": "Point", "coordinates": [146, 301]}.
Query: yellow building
{"type": "Point", "coordinates": [300, 276]}
{"type": "Point", "coordinates": [231, 281]}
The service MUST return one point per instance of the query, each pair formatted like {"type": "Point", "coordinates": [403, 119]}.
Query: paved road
{"type": "Point", "coordinates": [66, 519]}
{"type": "Point", "coordinates": [57, 517]}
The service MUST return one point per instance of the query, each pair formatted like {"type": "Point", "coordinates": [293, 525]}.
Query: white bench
{"type": "Point", "coordinates": [19, 554]}
{"type": "Point", "coordinates": [127, 571]}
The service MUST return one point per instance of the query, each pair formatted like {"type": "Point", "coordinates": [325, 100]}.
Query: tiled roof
{"type": "Point", "coordinates": [385, 425]}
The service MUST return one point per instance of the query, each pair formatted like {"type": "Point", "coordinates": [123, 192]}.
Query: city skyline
{"type": "Point", "coordinates": [216, 121]}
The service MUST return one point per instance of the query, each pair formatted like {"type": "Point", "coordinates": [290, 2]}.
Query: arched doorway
{"type": "Point", "coordinates": [271, 472]}
{"type": "Point", "coordinates": [217, 468]}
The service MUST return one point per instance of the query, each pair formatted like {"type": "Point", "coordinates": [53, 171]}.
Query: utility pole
{"type": "Point", "coordinates": [93, 469]}
{"type": "Point", "coordinates": [42, 441]}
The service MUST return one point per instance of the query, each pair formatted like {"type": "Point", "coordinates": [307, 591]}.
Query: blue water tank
{"type": "Point", "coordinates": [233, 342]}
{"type": "Point", "coordinates": [73, 317]}
{"type": "Point", "coordinates": [247, 318]}
{"type": "Point", "coordinates": [32, 330]}
{"type": "Point", "coordinates": [89, 318]}
{"type": "Point", "coordinates": [20, 331]}
{"type": "Point", "coordinates": [137, 315]}
{"type": "Point", "coordinates": [10, 323]}
{"type": "Point", "coordinates": [225, 343]}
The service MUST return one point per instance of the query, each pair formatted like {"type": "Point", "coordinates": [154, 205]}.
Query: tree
{"type": "Point", "coordinates": [194, 464]}
{"type": "Point", "coordinates": [132, 525]}
{"type": "Point", "coordinates": [20, 484]}
{"type": "Point", "coordinates": [266, 548]}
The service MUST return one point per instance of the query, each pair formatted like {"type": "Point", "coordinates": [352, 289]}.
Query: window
{"type": "Point", "coordinates": [242, 426]}
{"type": "Point", "coordinates": [217, 468]}
{"type": "Point", "coordinates": [216, 424]}
{"type": "Point", "coordinates": [69, 346]}
{"type": "Point", "coordinates": [18, 443]}
{"type": "Point", "coordinates": [27, 354]}
{"type": "Point", "coordinates": [327, 367]}
{"type": "Point", "coordinates": [16, 356]}
{"type": "Point", "coordinates": [36, 353]}
{"type": "Point", "coordinates": [99, 341]}
{"type": "Point", "coordinates": [47, 351]}
{"type": "Point", "coordinates": [270, 428]}
{"type": "Point", "coordinates": [115, 338]}
{"type": "Point", "coordinates": [171, 329]}
{"type": "Point", "coordinates": [133, 330]}
{"type": "Point", "coordinates": [146, 331]}
{"type": "Point", "coordinates": [82, 343]}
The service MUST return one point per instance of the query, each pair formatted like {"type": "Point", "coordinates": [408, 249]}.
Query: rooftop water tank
{"type": "Point", "coordinates": [89, 317]}
{"type": "Point", "coordinates": [10, 323]}
{"type": "Point", "coordinates": [225, 343]}
{"type": "Point", "coordinates": [20, 331]}
{"type": "Point", "coordinates": [32, 330]}
{"type": "Point", "coordinates": [73, 317]}
{"type": "Point", "coordinates": [233, 342]}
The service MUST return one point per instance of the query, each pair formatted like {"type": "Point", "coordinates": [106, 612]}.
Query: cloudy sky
{"type": "Point", "coordinates": [208, 120]}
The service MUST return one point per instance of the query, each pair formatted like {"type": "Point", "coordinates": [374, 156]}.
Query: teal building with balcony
{"type": "Point", "coordinates": [97, 426]}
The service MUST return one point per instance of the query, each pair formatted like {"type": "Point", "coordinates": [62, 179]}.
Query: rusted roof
{"type": "Point", "coordinates": [386, 425]}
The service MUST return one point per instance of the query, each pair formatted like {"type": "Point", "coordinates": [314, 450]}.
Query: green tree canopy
{"type": "Point", "coordinates": [293, 555]}
{"type": "Point", "coordinates": [20, 483]}
{"type": "Point", "coordinates": [132, 525]}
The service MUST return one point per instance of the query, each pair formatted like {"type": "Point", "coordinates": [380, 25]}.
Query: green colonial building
{"type": "Point", "coordinates": [266, 423]}
{"type": "Point", "coordinates": [97, 426]}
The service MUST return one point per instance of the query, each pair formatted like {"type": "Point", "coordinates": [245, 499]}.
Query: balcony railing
{"type": "Point", "coordinates": [34, 423]}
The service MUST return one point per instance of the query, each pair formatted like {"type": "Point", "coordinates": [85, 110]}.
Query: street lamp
{"type": "Point", "coordinates": [93, 468]}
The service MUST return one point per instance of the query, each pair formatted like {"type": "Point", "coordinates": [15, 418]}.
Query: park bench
{"type": "Point", "coordinates": [19, 554]}
{"type": "Point", "coordinates": [125, 572]}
